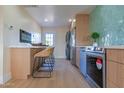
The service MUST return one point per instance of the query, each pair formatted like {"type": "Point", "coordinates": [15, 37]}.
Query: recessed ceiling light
{"type": "Point", "coordinates": [45, 20]}
{"type": "Point", "coordinates": [70, 20]}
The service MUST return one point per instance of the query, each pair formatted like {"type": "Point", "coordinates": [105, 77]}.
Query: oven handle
{"type": "Point", "coordinates": [96, 56]}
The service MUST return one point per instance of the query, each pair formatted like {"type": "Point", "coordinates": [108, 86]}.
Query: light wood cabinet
{"type": "Point", "coordinates": [82, 34]}
{"type": "Point", "coordinates": [82, 30]}
{"type": "Point", "coordinates": [115, 68]}
{"type": "Point", "coordinates": [116, 55]}
{"type": "Point", "coordinates": [111, 73]}
{"type": "Point", "coordinates": [21, 62]}
{"type": "Point", "coordinates": [120, 75]}
{"type": "Point", "coordinates": [111, 85]}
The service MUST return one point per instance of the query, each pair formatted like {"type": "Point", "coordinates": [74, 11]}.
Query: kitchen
{"type": "Point", "coordinates": [92, 59]}
{"type": "Point", "coordinates": [97, 62]}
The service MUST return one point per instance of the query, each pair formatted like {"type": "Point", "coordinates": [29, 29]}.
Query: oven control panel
{"type": "Point", "coordinates": [98, 49]}
{"type": "Point", "coordinates": [95, 49]}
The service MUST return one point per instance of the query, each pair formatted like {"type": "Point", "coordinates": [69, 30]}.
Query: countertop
{"type": "Point", "coordinates": [81, 46]}
{"type": "Point", "coordinates": [27, 46]}
{"type": "Point", "coordinates": [114, 47]}
{"type": "Point", "coordinates": [108, 47]}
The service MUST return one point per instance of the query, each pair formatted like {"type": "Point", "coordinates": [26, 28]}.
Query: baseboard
{"type": "Point", "coordinates": [60, 58]}
{"type": "Point", "coordinates": [7, 77]}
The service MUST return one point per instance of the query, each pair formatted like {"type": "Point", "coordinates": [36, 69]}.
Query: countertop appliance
{"type": "Point", "coordinates": [95, 66]}
{"type": "Point", "coordinates": [83, 61]}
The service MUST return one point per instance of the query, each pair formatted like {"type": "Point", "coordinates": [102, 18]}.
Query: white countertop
{"type": "Point", "coordinates": [114, 47]}
{"type": "Point", "coordinates": [106, 47]}
{"type": "Point", "coordinates": [27, 46]}
{"type": "Point", "coordinates": [109, 47]}
{"type": "Point", "coordinates": [81, 46]}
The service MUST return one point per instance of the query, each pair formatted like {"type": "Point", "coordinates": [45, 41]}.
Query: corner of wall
{"type": "Point", "coordinates": [7, 77]}
{"type": "Point", "coordinates": [1, 80]}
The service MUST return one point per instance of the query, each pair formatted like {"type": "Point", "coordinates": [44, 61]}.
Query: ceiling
{"type": "Point", "coordinates": [56, 15]}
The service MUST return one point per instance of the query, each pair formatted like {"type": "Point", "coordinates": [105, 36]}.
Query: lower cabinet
{"type": "Point", "coordinates": [22, 62]}
{"type": "Point", "coordinates": [112, 70]}
{"type": "Point", "coordinates": [115, 71]}
{"type": "Point", "coordinates": [111, 85]}
{"type": "Point", "coordinates": [120, 75]}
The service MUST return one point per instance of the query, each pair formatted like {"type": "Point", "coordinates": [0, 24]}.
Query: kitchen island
{"type": "Point", "coordinates": [22, 58]}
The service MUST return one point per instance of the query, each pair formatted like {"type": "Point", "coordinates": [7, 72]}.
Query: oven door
{"type": "Point", "coordinates": [95, 69]}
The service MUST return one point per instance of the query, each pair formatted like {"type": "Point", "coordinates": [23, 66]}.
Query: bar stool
{"type": "Point", "coordinates": [51, 60]}
{"type": "Point", "coordinates": [41, 58]}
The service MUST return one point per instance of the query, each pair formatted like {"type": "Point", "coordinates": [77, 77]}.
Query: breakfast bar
{"type": "Point", "coordinates": [22, 59]}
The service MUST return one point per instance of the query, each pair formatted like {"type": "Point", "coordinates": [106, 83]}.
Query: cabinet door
{"type": "Point", "coordinates": [112, 69]}
{"type": "Point", "coordinates": [120, 76]}
{"type": "Point", "coordinates": [115, 68]}
{"type": "Point", "coordinates": [82, 30]}
{"type": "Point", "coordinates": [116, 55]}
{"type": "Point", "coordinates": [115, 74]}
{"type": "Point", "coordinates": [111, 85]}
{"type": "Point", "coordinates": [20, 63]}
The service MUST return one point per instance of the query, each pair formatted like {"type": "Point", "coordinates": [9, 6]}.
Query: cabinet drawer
{"type": "Point", "coordinates": [116, 55]}
{"type": "Point", "coordinates": [112, 69]}
{"type": "Point", "coordinates": [120, 75]}
{"type": "Point", "coordinates": [111, 85]}
{"type": "Point", "coordinates": [115, 74]}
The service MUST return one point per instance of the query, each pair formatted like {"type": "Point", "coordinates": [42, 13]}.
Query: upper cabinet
{"type": "Point", "coordinates": [82, 34]}
{"type": "Point", "coordinates": [82, 30]}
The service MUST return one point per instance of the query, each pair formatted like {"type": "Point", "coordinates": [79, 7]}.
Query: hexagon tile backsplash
{"type": "Point", "coordinates": [108, 20]}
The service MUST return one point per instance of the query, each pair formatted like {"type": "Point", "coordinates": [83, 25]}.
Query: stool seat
{"type": "Point", "coordinates": [45, 53]}
{"type": "Point", "coordinates": [43, 59]}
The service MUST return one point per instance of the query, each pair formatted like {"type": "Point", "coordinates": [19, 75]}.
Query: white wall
{"type": "Point", "coordinates": [18, 18]}
{"type": "Point", "coordinates": [1, 45]}
{"type": "Point", "coordinates": [60, 33]}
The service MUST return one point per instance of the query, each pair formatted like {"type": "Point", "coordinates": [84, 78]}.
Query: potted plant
{"type": "Point", "coordinates": [95, 36]}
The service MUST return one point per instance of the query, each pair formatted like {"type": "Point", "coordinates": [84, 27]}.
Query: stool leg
{"type": "Point", "coordinates": [40, 64]}
{"type": "Point", "coordinates": [53, 60]}
{"type": "Point", "coordinates": [34, 66]}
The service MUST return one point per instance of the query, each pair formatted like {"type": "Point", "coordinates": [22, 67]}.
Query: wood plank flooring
{"type": "Point", "coordinates": [64, 75]}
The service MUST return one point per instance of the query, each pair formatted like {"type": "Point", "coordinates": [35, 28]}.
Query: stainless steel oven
{"type": "Point", "coordinates": [96, 67]}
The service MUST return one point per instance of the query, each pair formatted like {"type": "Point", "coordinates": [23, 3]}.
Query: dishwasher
{"type": "Point", "coordinates": [83, 61]}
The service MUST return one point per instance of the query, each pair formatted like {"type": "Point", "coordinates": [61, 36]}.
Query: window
{"type": "Point", "coordinates": [49, 39]}
{"type": "Point", "coordinates": [36, 38]}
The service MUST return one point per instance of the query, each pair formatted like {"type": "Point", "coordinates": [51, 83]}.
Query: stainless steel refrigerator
{"type": "Point", "coordinates": [70, 46]}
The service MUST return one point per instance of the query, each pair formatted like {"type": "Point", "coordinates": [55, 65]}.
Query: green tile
{"type": "Point", "coordinates": [108, 20]}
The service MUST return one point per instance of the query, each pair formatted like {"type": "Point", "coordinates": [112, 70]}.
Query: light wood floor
{"type": "Point", "coordinates": [64, 75]}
